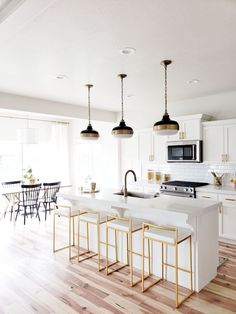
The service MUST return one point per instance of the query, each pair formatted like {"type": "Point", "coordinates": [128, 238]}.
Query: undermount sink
{"type": "Point", "coordinates": [138, 195]}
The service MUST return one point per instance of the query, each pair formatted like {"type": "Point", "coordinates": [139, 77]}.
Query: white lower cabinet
{"type": "Point", "coordinates": [228, 216]}
{"type": "Point", "coordinates": [227, 213]}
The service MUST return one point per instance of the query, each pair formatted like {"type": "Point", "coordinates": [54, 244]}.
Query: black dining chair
{"type": "Point", "coordinates": [11, 185]}
{"type": "Point", "coordinates": [29, 201]}
{"type": "Point", "coordinates": [49, 197]}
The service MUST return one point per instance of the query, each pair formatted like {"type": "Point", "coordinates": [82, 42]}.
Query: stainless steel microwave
{"type": "Point", "coordinates": [184, 151]}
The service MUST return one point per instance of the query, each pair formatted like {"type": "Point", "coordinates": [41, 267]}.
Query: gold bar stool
{"type": "Point", "coordinates": [65, 211]}
{"type": "Point", "coordinates": [128, 226]}
{"type": "Point", "coordinates": [95, 218]}
{"type": "Point", "coordinates": [172, 236]}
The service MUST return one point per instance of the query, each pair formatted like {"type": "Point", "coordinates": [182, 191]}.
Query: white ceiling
{"type": "Point", "coordinates": [82, 39]}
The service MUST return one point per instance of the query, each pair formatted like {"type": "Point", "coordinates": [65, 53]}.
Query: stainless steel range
{"type": "Point", "coordinates": [181, 188]}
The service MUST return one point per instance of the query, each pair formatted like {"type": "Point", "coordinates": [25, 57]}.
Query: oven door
{"type": "Point", "coordinates": [177, 194]}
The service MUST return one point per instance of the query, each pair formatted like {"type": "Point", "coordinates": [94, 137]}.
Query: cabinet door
{"type": "Point", "coordinates": [160, 148]}
{"type": "Point", "coordinates": [145, 145]}
{"type": "Point", "coordinates": [213, 143]}
{"type": "Point", "coordinates": [230, 144]}
{"type": "Point", "coordinates": [228, 216]}
{"type": "Point", "coordinates": [191, 130]}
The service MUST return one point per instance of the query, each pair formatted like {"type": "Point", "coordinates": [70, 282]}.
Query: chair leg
{"type": "Point", "coordinates": [12, 208]}
{"type": "Point", "coordinates": [24, 214]}
{"type": "Point", "coordinates": [37, 209]}
{"type": "Point", "coordinates": [45, 208]}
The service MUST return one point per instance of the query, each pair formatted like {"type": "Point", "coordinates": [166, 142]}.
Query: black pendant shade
{"type": "Point", "coordinates": [166, 126]}
{"type": "Point", "coordinates": [89, 133]}
{"type": "Point", "coordinates": [122, 130]}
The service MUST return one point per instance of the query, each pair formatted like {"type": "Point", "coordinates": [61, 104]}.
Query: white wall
{"type": "Point", "coordinates": [47, 107]}
{"type": "Point", "coordinates": [220, 106]}
{"type": "Point", "coordinates": [107, 160]}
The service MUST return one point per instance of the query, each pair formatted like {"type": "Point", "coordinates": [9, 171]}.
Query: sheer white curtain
{"type": "Point", "coordinates": [60, 147]}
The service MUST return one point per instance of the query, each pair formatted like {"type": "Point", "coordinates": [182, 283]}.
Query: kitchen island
{"type": "Point", "coordinates": [201, 216]}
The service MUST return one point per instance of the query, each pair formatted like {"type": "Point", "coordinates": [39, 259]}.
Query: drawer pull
{"type": "Point", "coordinates": [206, 197]}
{"type": "Point", "coordinates": [230, 199]}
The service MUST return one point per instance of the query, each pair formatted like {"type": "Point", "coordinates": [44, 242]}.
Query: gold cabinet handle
{"type": "Point", "coordinates": [223, 158]}
{"type": "Point", "coordinates": [226, 157]}
{"type": "Point", "coordinates": [183, 135]}
{"type": "Point", "coordinates": [206, 196]}
{"type": "Point", "coordinates": [220, 209]}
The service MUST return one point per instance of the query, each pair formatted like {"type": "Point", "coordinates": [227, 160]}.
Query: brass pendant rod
{"type": "Point", "coordinates": [122, 99]}
{"type": "Point", "coordinates": [166, 89]}
{"type": "Point", "coordinates": [89, 86]}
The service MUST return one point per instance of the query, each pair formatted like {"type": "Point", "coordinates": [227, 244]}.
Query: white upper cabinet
{"type": "Point", "coordinates": [145, 145]}
{"type": "Point", "coordinates": [159, 148]}
{"type": "Point", "coordinates": [213, 143]}
{"type": "Point", "coordinates": [219, 141]}
{"type": "Point", "coordinates": [230, 142]}
{"type": "Point", "coordinates": [190, 127]}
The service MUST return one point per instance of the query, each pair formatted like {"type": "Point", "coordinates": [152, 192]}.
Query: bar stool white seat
{"type": "Point", "coordinates": [128, 226]}
{"type": "Point", "coordinates": [172, 236]}
{"type": "Point", "coordinates": [124, 225]}
{"type": "Point", "coordinates": [97, 219]}
{"type": "Point", "coordinates": [167, 236]}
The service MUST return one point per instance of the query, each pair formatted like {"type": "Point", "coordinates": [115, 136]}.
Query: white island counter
{"type": "Point", "coordinates": [201, 216]}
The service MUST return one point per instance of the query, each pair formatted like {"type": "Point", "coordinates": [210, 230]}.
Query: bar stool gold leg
{"type": "Point", "coordinates": [98, 245]}
{"type": "Point", "coordinates": [143, 264]}
{"type": "Point", "coordinates": [107, 250]}
{"type": "Point", "coordinates": [73, 234]}
{"type": "Point", "coordinates": [162, 260]}
{"type": "Point", "coordinates": [131, 258]}
{"type": "Point", "coordinates": [191, 266]}
{"type": "Point", "coordinates": [87, 228]}
{"type": "Point", "coordinates": [149, 259]}
{"type": "Point", "coordinates": [69, 237]}
{"type": "Point", "coordinates": [78, 239]}
{"type": "Point", "coordinates": [54, 233]}
{"type": "Point", "coordinates": [176, 275]}
{"type": "Point", "coordinates": [127, 248]}
{"type": "Point", "coordinates": [116, 248]}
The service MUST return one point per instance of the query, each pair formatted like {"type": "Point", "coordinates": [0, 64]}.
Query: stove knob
{"type": "Point", "coordinates": [165, 187]}
{"type": "Point", "coordinates": [191, 190]}
{"type": "Point", "coordinates": [186, 189]}
{"type": "Point", "coordinates": [175, 188]}
{"type": "Point", "coordinates": [161, 187]}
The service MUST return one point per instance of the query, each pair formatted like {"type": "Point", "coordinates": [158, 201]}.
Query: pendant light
{"type": "Point", "coordinates": [166, 126]}
{"type": "Point", "coordinates": [122, 130]}
{"type": "Point", "coordinates": [89, 133]}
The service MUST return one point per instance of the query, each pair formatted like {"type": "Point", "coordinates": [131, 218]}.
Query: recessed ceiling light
{"type": "Point", "coordinates": [193, 81]}
{"type": "Point", "coordinates": [61, 76]}
{"type": "Point", "coordinates": [127, 51]}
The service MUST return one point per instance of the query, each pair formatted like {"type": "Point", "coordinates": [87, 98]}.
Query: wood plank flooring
{"type": "Point", "coordinates": [34, 280]}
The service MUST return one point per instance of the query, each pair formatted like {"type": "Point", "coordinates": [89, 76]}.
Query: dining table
{"type": "Point", "coordinates": [12, 195]}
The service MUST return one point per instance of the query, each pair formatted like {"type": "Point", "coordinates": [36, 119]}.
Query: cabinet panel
{"type": "Point", "coordinates": [213, 143]}
{"type": "Point", "coordinates": [228, 216]}
{"type": "Point", "coordinates": [160, 148]}
{"type": "Point", "coordinates": [230, 143]}
{"type": "Point", "coordinates": [145, 145]}
{"type": "Point", "coordinates": [207, 195]}
{"type": "Point", "coordinates": [191, 130]}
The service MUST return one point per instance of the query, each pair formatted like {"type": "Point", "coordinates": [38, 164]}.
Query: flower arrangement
{"type": "Point", "coordinates": [28, 176]}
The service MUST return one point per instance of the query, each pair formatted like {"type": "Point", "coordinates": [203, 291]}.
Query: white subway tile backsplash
{"type": "Point", "coordinates": [191, 172]}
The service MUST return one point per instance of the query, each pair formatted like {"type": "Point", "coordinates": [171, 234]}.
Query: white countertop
{"type": "Point", "coordinates": [132, 205]}
{"type": "Point", "coordinates": [217, 189]}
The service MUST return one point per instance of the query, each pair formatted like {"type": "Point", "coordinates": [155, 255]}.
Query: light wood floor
{"type": "Point", "coordinates": [34, 280]}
